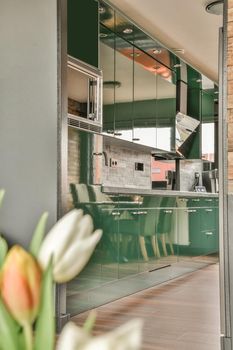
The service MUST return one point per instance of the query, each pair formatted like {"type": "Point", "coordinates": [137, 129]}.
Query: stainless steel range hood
{"type": "Point", "coordinates": [185, 125]}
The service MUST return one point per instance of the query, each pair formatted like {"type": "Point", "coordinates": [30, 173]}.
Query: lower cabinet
{"type": "Point", "coordinates": [203, 227]}
{"type": "Point", "coordinates": [166, 236]}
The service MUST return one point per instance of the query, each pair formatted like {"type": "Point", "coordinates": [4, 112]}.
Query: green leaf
{"type": "Point", "coordinates": [2, 193]}
{"type": "Point", "coordinates": [38, 235]}
{"type": "Point", "coordinates": [45, 325]}
{"type": "Point", "coordinates": [9, 330]}
{"type": "Point", "coordinates": [90, 321]}
{"type": "Point", "coordinates": [3, 250]}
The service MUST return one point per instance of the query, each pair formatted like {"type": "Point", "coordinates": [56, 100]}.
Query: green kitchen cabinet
{"type": "Point", "coordinates": [203, 226]}
{"type": "Point", "coordinates": [82, 34]}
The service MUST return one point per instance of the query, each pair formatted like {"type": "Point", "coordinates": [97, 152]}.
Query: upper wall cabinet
{"type": "Point", "coordinates": [139, 94]}
{"type": "Point", "coordinates": [82, 25]}
{"type": "Point", "coordinates": [150, 96]}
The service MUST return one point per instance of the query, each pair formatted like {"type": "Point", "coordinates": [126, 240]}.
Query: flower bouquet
{"type": "Point", "coordinates": [27, 289]}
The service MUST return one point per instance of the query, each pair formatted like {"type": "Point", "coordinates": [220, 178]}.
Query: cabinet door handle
{"type": "Point", "coordinates": [208, 210]}
{"type": "Point", "coordinates": [168, 211]}
{"type": "Point", "coordinates": [209, 233]}
{"type": "Point", "coordinates": [116, 213]}
{"type": "Point", "coordinates": [191, 210]}
{"type": "Point", "coordinates": [209, 200]}
{"type": "Point", "coordinates": [135, 212]}
{"type": "Point", "coordinates": [195, 200]}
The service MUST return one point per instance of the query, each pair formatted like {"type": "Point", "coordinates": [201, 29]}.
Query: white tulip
{"type": "Point", "coordinates": [70, 243]}
{"type": "Point", "coordinates": [126, 337]}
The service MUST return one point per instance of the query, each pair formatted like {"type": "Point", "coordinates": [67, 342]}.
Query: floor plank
{"type": "Point", "coordinates": [181, 314]}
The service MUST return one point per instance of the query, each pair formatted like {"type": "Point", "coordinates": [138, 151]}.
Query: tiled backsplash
{"type": "Point", "coordinates": [188, 168]}
{"type": "Point", "coordinates": [120, 171]}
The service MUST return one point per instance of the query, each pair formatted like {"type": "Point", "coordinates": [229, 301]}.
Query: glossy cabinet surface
{"type": "Point", "coordinates": [139, 93]}
{"type": "Point", "coordinates": [145, 89]}
{"type": "Point", "coordinates": [142, 234]}
{"type": "Point", "coordinates": [77, 25]}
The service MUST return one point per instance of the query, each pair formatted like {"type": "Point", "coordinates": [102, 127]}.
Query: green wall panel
{"type": "Point", "coordinates": [160, 113]}
{"type": "Point", "coordinates": [82, 17]}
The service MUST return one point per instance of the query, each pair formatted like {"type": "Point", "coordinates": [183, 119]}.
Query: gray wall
{"type": "Point", "coordinates": [28, 114]}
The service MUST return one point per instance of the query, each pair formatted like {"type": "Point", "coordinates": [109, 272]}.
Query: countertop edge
{"type": "Point", "coordinates": [167, 193]}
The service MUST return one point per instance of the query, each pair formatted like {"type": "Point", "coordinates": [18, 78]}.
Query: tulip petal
{"type": "Point", "coordinates": [20, 285]}
{"type": "Point", "coordinates": [126, 337]}
{"type": "Point", "coordinates": [72, 338]}
{"type": "Point", "coordinates": [58, 238]}
{"type": "Point", "coordinates": [84, 228]}
{"type": "Point", "coordinates": [76, 258]}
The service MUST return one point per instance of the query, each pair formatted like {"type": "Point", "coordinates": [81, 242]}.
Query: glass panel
{"type": "Point", "coordinates": [209, 119]}
{"type": "Point", "coordinates": [128, 222]}
{"type": "Point", "coordinates": [124, 90]}
{"type": "Point", "coordinates": [83, 89]}
{"type": "Point", "coordinates": [198, 235]}
{"type": "Point", "coordinates": [106, 15]}
{"type": "Point", "coordinates": [144, 104]}
{"type": "Point", "coordinates": [85, 162]}
{"type": "Point", "coordinates": [107, 65]}
{"type": "Point", "coordinates": [165, 109]}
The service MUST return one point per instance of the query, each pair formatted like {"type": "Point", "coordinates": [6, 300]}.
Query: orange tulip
{"type": "Point", "coordinates": [20, 285]}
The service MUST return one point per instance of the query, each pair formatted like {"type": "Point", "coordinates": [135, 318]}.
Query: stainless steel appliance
{"type": "Point", "coordinates": [84, 90]}
{"type": "Point", "coordinates": [210, 180]}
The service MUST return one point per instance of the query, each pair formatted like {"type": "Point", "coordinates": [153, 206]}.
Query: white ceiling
{"type": "Point", "coordinates": [180, 24]}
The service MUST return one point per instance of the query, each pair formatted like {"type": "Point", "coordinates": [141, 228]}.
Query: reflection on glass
{"type": "Point", "coordinates": [124, 93]}
{"type": "Point", "coordinates": [165, 112]}
{"type": "Point", "coordinates": [185, 126]}
{"type": "Point", "coordinates": [208, 141]}
{"type": "Point", "coordinates": [84, 90]}
{"type": "Point", "coordinates": [107, 65]}
{"type": "Point", "coordinates": [209, 113]}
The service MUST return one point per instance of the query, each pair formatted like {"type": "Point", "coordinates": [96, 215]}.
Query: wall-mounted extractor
{"type": "Point", "coordinates": [215, 7]}
{"type": "Point", "coordinates": [185, 125]}
{"type": "Point", "coordinates": [84, 90]}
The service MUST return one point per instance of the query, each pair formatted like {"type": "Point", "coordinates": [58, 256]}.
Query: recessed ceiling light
{"type": "Point", "coordinates": [178, 50]}
{"type": "Point", "coordinates": [101, 9]}
{"type": "Point", "coordinates": [103, 35]}
{"type": "Point", "coordinates": [178, 65]}
{"type": "Point", "coordinates": [157, 51]}
{"type": "Point", "coordinates": [128, 31]}
{"type": "Point", "coordinates": [215, 7]}
{"type": "Point", "coordinates": [134, 54]}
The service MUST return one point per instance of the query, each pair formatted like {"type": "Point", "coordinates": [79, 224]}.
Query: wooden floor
{"type": "Point", "coordinates": [180, 315]}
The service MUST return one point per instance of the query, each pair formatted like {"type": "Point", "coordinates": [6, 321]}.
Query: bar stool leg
{"type": "Point", "coordinates": [170, 244]}
{"type": "Point", "coordinates": [142, 244]}
{"type": "Point", "coordinates": [163, 241]}
{"type": "Point", "coordinates": [155, 246]}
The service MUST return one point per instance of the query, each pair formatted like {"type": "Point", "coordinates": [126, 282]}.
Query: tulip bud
{"type": "Point", "coordinates": [21, 284]}
{"type": "Point", "coordinates": [70, 243]}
